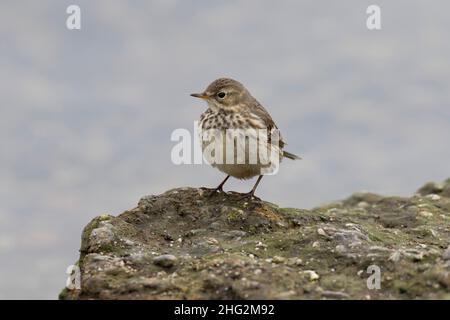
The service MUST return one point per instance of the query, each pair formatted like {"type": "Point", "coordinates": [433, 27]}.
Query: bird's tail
{"type": "Point", "coordinates": [290, 156]}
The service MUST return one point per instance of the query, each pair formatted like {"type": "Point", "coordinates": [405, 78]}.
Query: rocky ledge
{"type": "Point", "coordinates": [184, 244]}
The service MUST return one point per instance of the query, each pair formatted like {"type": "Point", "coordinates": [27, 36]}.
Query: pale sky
{"type": "Point", "coordinates": [87, 114]}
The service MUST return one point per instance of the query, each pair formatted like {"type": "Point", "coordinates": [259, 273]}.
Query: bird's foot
{"type": "Point", "coordinates": [213, 191]}
{"type": "Point", "coordinates": [247, 196]}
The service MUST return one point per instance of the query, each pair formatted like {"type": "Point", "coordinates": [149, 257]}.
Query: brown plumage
{"type": "Point", "coordinates": [231, 106]}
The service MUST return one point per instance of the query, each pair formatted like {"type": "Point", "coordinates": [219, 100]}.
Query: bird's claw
{"type": "Point", "coordinates": [214, 191]}
{"type": "Point", "coordinates": [248, 195]}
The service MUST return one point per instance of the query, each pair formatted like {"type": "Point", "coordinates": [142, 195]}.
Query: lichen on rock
{"type": "Point", "coordinates": [184, 244]}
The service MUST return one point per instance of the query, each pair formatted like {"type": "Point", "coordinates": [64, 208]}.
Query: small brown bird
{"type": "Point", "coordinates": [231, 106]}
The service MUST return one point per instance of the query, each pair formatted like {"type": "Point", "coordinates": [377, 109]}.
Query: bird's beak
{"type": "Point", "coordinates": [199, 95]}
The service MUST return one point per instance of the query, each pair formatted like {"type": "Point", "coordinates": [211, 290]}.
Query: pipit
{"type": "Point", "coordinates": [232, 108]}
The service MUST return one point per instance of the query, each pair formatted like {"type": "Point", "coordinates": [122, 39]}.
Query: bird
{"type": "Point", "coordinates": [232, 107]}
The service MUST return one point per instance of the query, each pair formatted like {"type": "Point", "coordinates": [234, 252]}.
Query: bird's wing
{"type": "Point", "coordinates": [258, 110]}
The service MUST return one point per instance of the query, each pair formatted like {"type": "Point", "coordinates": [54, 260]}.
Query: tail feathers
{"type": "Point", "coordinates": [290, 156]}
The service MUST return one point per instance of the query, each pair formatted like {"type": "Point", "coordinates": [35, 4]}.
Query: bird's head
{"type": "Point", "coordinates": [224, 94]}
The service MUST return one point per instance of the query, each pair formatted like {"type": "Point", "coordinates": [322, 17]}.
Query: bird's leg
{"type": "Point", "coordinates": [220, 186]}
{"type": "Point", "coordinates": [251, 194]}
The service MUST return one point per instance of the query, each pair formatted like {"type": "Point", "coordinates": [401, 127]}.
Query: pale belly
{"type": "Point", "coordinates": [241, 159]}
{"type": "Point", "coordinates": [239, 171]}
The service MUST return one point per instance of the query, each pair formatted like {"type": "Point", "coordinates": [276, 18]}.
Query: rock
{"type": "Point", "coordinates": [446, 254]}
{"type": "Point", "coordinates": [312, 275]}
{"type": "Point", "coordinates": [183, 244]}
{"type": "Point", "coordinates": [426, 214]}
{"type": "Point", "coordinates": [395, 256]}
{"type": "Point", "coordinates": [334, 294]}
{"type": "Point", "coordinates": [433, 196]}
{"type": "Point", "coordinates": [278, 259]}
{"type": "Point", "coordinates": [322, 232]}
{"type": "Point", "coordinates": [435, 188]}
{"type": "Point", "coordinates": [165, 260]}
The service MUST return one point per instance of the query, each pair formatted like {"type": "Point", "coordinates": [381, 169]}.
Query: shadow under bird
{"type": "Point", "coordinates": [231, 106]}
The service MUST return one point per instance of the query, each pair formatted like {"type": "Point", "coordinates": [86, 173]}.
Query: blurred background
{"type": "Point", "coordinates": [86, 115]}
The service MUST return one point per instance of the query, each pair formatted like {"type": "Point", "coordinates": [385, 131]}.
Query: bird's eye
{"type": "Point", "coordinates": [221, 94]}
